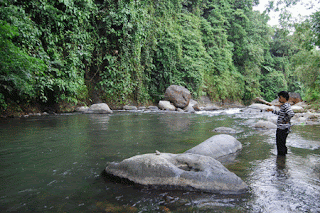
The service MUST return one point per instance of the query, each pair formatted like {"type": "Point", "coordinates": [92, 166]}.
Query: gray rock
{"type": "Point", "coordinates": [225, 130]}
{"type": "Point", "coordinates": [178, 95]}
{"type": "Point", "coordinates": [82, 109]}
{"type": "Point", "coordinates": [153, 108]}
{"type": "Point", "coordinates": [166, 105]}
{"type": "Point", "coordinates": [178, 171]}
{"type": "Point", "coordinates": [217, 146]}
{"type": "Point", "coordinates": [194, 104]}
{"type": "Point", "coordinates": [189, 109]}
{"type": "Point", "coordinates": [101, 108]}
{"type": "Point", "coordinates": [126, 107]}
{"type": "Point", "coordinates": [302, 104]}
{"type": "Point", "coordinates": [297, 109]}
{"type": "Point", "coordinates": [260, 106]}
{"type": "Point", "coordinates": [142, 108]}
{"type": "Point", "coordinates": [265, 125]}
{"type": "Point", "coordinates": [306, 118]}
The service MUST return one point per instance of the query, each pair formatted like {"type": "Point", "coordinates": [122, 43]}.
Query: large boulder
{"type": "Point", "coordinates": [178, 95]}
{"type": "Point", "coordinates": [101, 108]}
{"type": "Point", "coordinates": [178, 171]}
{"type": "Point", "coordinates": [294, 98]}
{"type": "Point", "coordinates": [217, 146]}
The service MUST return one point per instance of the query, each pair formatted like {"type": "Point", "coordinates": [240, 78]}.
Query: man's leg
{"type": "Point", "coordinates": [281, 137]}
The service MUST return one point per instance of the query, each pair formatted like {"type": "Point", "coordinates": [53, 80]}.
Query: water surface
{"type": "Point", "coordinates": [53, 163]}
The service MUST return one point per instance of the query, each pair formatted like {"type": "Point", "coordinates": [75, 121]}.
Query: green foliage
{"type": "Point", "coordinates": [221, 81]}
{"type": "Point", "coordinates": [18, 70]}
{"type": "Point", "coordinates": [56, 37]}
{"type": "Point", "coordinates": [55, 51]}
{"type": "Point", "coordinates": [315, 27]}
{"type": "Point", "coordinates": [308, 70]}
{"type": "Point", "coordinates": [272, 83]}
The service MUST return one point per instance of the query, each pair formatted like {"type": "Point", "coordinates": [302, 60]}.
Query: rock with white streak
{"type": "Point", "coordinates": [178, 171]}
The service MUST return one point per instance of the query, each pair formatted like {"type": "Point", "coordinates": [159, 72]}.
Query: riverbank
{"type": "Point", "coordinates": [304, 111]}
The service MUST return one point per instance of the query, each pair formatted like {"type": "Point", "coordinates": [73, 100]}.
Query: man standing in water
{"type": "Point", "coordinates": [283, 123]}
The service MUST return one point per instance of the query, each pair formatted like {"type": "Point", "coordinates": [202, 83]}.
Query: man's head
{"type": "Point", "coordinates": [283, 94]}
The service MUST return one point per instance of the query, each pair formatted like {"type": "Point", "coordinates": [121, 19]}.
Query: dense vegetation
{"type": "Point", "coordinates": [55, 53]}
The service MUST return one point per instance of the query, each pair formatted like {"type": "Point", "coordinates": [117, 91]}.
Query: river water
{"type": "Point", "coordinates": [54, 163]}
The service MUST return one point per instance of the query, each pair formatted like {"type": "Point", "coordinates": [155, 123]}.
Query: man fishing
{"type": "Point", "coordinates": [283, 123]}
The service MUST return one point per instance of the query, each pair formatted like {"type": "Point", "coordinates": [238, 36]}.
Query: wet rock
{"type": "Point", "coordinates": [178, 95]}
{"type": "Point", "coordinates": [306, 118]}
{"type": "Point", "coordinates": [206, 104]}
{"type": "Point", "coordinates": [153, 108]}
{"type": "Point", "coordinates": [225, 130]}
{"type": "Point", "coordinates": [302, 104]}
{"type": "Point", "coordinates": [297, 109]}
{"type": "Point", "coordinates": [178, 171]}
{"type": "Point", "coordinates": [265, 125]}
{"type": "Point", "coordinates": [260, 106]}
{"type": "Point", "coordinates": [82, 109]}
{"type": "Point", "coordinates": [166, 105]}
{"type": "Point", "coordinates": [194, 104]}
{"type": "Point", "coordinates": [101, 108]}
{"type": "Point", "coordinates": [127, 107]}
{"type": "Point", "coordinates": [142, 108]}
{"type": "Point", "coordinates": [189, 109]}
{"type": "Point", "coordinates": [314, 118]}
{"type": "Point", "coordinates": [217, 146]}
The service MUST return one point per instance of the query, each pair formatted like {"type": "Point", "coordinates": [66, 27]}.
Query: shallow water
{"type": "Point", "coordinates": [53, 163]}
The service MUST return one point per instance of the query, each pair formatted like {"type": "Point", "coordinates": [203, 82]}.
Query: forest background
{"type": "Point", "coordinates": [57, 54]}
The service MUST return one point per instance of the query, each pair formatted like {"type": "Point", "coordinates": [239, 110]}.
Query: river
{"type": "Point", "coordinates": [54, 163]}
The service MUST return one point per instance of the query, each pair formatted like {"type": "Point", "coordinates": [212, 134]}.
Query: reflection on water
{"type": "Point", "coordinates": [53, 164]}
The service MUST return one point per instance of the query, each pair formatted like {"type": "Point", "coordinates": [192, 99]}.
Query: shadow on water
{"type": "Point", "coordinates": [54, 163]}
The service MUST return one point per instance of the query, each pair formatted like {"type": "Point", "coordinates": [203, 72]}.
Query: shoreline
{"type": "Point", "coordinates": [306, 116]}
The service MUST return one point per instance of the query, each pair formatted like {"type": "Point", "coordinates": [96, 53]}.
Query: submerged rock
{"type": "Point", "coordinates": [265, 125]}
{"type": "Point", "coordinates": [178, 171]}
{"type": "Point", "coordinates": [217, 146]}
{"type": "Point", "coordinates": [225, 130]}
